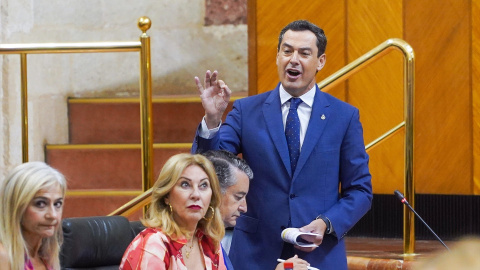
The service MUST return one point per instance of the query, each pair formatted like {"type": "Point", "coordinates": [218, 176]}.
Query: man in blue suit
{"type": "Point", "coordinates": [326, 189]}
{"type": "Point", "coordinates": [234, 176]}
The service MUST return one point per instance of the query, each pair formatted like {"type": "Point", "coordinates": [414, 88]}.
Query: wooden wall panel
{"type": "Point", "coordinates": [378, 89]}
{"type": "Point", "coordinates": [445, 39]}
{"type": "Point", "coordinates": [440, 36]}
{"type": "Point", "coordinates": [272, 15]}
{"type": "Point", "coordinates": [386, 164]}
{"type": "Point", "coordinates": [476, 94]}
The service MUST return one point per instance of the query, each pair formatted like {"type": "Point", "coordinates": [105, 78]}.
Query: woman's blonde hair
{"type": "Point", "coordinates": [17, 191]}
{"type": "Point", "coordinates": [159, 215]}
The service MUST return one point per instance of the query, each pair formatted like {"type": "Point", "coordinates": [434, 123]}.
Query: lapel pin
{"type": "Point", "coordinates": [323, 117]}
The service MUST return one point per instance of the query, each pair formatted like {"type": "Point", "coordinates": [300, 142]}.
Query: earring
{"type": "Point", "coordinates": [213, 214]}
{"type": "Point", "coordinates": [171, 208]}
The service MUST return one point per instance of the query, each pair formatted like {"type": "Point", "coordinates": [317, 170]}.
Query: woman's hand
{"type": "Point", "coordinates": [298, 264]}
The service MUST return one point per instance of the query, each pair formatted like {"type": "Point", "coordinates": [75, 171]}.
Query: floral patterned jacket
{"type": "Point", "coordinates": [152, 249]}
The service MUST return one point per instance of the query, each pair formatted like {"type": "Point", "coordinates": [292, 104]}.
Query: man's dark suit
{"type": "Point", "coordinates": [332, 156]}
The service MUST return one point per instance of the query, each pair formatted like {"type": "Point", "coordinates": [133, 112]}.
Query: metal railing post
{"type": "Point", "coordinates": [409, 87]}
{"type": "Point", "coordinates": [24, 105]}
{"type": "Point", "coordinates": [146, 105]}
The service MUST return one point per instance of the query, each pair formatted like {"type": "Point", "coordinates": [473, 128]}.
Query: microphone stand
{"type": "Point", "coordinates": [404, 201]}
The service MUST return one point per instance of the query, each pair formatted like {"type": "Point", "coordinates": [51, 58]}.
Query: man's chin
{"type": "Point", "coordinates": [230, 224]}
{"type": "Point", "coordinates": [293, 87]}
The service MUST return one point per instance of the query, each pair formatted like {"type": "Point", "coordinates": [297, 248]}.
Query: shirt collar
{"type": "Point", "coordinates": [307, 98]}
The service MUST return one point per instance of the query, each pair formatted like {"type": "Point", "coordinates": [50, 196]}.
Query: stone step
{"type": "Point", "coordinates": [97, 121]}
{"type": "Point", "coordinates": [102, 177]}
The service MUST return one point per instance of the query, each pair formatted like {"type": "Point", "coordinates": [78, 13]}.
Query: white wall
{"type": "Point", "coordinates": [181, 49]}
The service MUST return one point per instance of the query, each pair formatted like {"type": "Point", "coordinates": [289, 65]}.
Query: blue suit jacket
{"type": "Point", "coordinates": [332, 177]}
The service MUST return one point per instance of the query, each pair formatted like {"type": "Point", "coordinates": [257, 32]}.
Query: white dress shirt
{"type": "Point", "coordinates": [227, 240]}
{"type": "Point", "coordinates": [304, 110]}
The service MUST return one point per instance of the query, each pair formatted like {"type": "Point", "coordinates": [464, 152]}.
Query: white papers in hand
{"type": "Point", "coordinates": [293, 236]}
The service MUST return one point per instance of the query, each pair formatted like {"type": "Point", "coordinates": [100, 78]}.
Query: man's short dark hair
{"type": "Point", "coordinates": [225, 164]}
{"type": "Point", "coordinates": [303, 25]}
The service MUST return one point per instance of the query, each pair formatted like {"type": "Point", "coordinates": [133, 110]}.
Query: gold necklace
{"type": "Point", "coordinates": [188, 249]}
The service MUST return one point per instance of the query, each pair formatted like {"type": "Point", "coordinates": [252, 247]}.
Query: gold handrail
{"type": "Point", "coordinates": [80, 47]}
{"type": "Point", "coordinates": [142, 46]}
{"type": "Point", "coordinates": [409, 87]}
{"type": "Point", "coordinates": [385, 135]}
{"type": "Point", "coordinates": [134, 204]}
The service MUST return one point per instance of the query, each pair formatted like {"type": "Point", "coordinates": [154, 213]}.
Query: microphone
{"type": "Point", "coordinates": [404, 201]}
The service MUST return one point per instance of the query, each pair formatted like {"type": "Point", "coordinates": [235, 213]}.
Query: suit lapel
{"type": "Point", "coordinates": [318, 120]}
{"type": "Point", "coordinates": [273, 118]}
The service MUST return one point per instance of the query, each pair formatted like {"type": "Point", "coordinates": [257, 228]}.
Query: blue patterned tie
{"type": "Point", "coordinates": [292, 132]}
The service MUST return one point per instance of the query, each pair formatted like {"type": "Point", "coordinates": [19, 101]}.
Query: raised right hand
{"type": "Point", "coordinates": [215, 96]}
